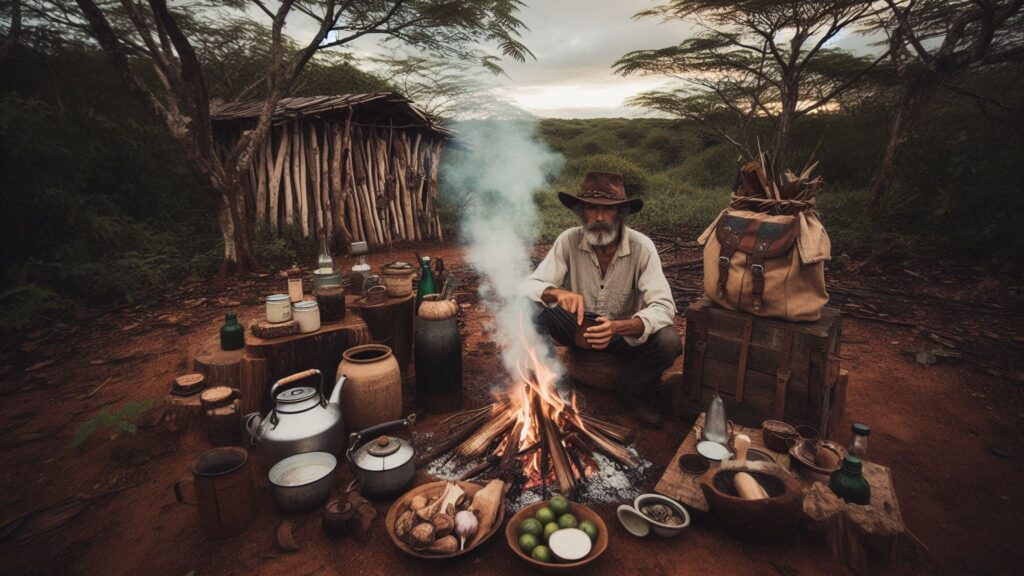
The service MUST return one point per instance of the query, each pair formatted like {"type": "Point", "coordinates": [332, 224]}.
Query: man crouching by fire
{"type": "Point", "coordinates": [603, 267]}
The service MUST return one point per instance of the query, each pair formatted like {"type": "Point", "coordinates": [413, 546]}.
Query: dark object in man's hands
{"type": "Point", "coordinates": [589, 320]}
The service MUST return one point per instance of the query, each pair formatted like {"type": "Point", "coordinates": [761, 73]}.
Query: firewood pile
{"type": "Point", "coordinates": [761, 190]}
{"type": "Point", "coordinates": [531, 445]}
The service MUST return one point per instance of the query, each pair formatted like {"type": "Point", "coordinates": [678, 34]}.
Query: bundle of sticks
{"type": "Point", "coordinates": [760, 190]}
{"type": "Point", "coordinates": [491, 434]}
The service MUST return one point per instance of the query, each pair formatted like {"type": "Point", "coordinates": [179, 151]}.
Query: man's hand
{"type": "Point", "coordinates": [568, 301]}
{"type": "Point", "coordinates": [599, 336]}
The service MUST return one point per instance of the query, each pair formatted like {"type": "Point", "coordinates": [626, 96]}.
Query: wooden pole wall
{"type": "Point", "coordinates": [356, 181]}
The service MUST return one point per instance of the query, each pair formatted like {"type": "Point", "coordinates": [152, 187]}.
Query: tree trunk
{"type": "Point", "coordinates": [233, 219]}
{"type": "Point", "coordinates": [912, 101]}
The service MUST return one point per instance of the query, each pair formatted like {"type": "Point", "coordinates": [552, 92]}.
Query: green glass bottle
{"type": "Point", "coordinates": [849, 484]}
{"type": "Point", "coordinates": [426, 282]}
{"type": "Point", "coordinates": [232, 334]}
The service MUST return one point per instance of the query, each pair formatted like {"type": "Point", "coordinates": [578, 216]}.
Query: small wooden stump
{"type": "Point", "coordinates": [254, 386]}
{"type": "Point", "coordinates": [181, 412]}
{"type": "Point", "coordinates": [220, 367]}
{"type": "Point", "coordinates": [321, 349]}
{"type": "Point", "coordinates": [872, 534]}
{"type": "Point", "coordinates": [822, 518]}
{"type": "Point", "coordinates": [595, 368]}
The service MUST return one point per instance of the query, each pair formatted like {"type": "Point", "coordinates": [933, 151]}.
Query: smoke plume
{"type": "Point", "coordinates": [495, 176]}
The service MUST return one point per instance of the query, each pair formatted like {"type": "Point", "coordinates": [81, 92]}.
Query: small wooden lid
{"type": "Point", "coordinates": [217, 396]}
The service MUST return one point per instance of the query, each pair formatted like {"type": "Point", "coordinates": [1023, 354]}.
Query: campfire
{"type": "Point", "coordinates": [530, 436]}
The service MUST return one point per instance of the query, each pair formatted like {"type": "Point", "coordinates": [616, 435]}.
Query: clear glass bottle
{"type": "Point", "coordinates": [716, 426]}
{"type": "Point", "coordinates": [324, 263]}
{"type": "Point", "coordinates": [859, 444]}
{"type": "Point", "coordinates": [360, 271]}
{"type": "Point", "coordinates": [294, 283]}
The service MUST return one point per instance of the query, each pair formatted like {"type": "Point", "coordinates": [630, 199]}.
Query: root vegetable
{"type": "Point", "coordinates": [569, 544]}
{"type": "Point", "coordinates": [450, 495]}
{"type": "Point", "coordinates": [446, 545]}
{"type": "Point", "coordinates": [404, 524]}
{"type": "Point", "coordinates": [443, 524]}
{"type": "Point", "coordinates": [421, 536]}
{"type": "Point", "coordinates": [417, 502]}
{"type": "Point", "coordinates": [486, 503]}
{"type": "Point", "coordinates": [466, 525]}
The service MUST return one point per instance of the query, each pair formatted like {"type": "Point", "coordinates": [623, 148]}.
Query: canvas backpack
{"type": "Point", "coordinates": [767, 265]}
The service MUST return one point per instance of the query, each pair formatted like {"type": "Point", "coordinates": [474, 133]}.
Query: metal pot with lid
{"type": "Point", "coordinates": [384, 464]}
{"type": "Point", "coordinates": [302, 420]}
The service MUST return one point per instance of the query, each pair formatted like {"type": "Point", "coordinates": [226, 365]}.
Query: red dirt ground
{"type": "Point", "coordinates": [938, 428]}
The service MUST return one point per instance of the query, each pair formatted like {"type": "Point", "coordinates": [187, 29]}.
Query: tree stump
{"type": "Point", "coordinates": [181, 412]}
{"type": "Point", "coordinates": [321, 350]}
{"type": "Point", "coordinates": [220, 367]}
{"type": "Point", "coordinates": [254, 386]}
{"type": "Point", "coordinates": [822, 518]}
{"type": "Point", "coordinates": [391, 324]}
{"type": "Point", "coordinates": [872, 534]}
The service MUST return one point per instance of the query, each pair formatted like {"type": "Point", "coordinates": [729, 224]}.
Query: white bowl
{"type": "Point", "coordinates": [663, 530]}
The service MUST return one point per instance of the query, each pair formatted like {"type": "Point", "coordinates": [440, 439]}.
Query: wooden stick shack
{"type": "Point", "coordinates": [361, 166]}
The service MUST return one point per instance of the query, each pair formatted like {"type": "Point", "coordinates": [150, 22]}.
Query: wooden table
{"type": "Point", "coordinates": [867, 537]}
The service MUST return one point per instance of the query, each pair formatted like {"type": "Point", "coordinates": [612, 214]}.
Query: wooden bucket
{"type": "Point", "coordinates": [596, 368]}
{"type": "Point", "coordinates": [224, 492]}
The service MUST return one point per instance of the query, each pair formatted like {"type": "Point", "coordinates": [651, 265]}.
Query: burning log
{"type": "Point", "coordinates": [618, 433]}
{"type": "Point", "coordinates": [559, 459]}
{"type": "Point", "coordinates": [605, 445]}
{"type": "Point", "coordinates": [476, 445]}
{"type": "Point", "coordinates": [482, 467]}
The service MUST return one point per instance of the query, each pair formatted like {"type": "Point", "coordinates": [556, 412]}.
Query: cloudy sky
{"type": "Point", "coordinates": [575, 43]}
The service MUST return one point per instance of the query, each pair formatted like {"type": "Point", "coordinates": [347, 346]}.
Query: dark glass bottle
{"type": "Point", "coordinates": [426, 282]}
{"type": "Point", "coordinates": [232, 334]}
{"type": "Point", "coordinates": [849, 484]}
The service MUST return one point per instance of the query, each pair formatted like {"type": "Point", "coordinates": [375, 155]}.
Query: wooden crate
{"type": "Point", "coordinates": [721, 344]}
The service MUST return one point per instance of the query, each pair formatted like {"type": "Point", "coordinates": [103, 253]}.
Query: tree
{"type": "Point", "coordinates": [932, 43]}
{"type": "Point", "coordinates": [156, 50]}
{"type": "Point", "coordinates": [753, 59]}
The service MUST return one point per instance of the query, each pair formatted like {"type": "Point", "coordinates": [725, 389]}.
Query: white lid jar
{"type": "Point", "coordinates": [279, 308]}
{"type": "Point", "coordinates": [307, 315]}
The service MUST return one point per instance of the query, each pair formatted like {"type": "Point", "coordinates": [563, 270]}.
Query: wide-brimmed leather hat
{"type": "Point", "coordinates": [602, 188]}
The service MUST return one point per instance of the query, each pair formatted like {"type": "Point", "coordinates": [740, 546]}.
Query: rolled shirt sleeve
{"type": "Point", "coordinates": [657, 307]}
{"type": "Point", "coordinates": [550, 273]}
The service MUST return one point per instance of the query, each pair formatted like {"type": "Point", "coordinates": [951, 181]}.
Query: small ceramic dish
{"type": "Point", "coordinates": [693, 464]}
{"type": "Point", "coordinates": [712, 450]}
{"type": "Point", "coordinates": [639, 524]}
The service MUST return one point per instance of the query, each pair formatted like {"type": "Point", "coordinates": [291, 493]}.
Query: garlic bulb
{"type": "Point", "coordinates": [466, 525]}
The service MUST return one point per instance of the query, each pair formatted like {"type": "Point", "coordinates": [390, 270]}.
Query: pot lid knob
{"type": "Point", "coordinates": [384, 446]}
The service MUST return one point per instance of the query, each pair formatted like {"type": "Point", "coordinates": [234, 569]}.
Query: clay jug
{"type": "Point", "coordinates": [373, 392]}
{"type": "Point", "coordinates": [438, 356]}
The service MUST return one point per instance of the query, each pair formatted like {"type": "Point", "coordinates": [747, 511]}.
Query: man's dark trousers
{"type": "Point", "coordinates": [645, 362]}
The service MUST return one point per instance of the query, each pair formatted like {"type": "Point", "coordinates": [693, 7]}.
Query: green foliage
{"type": "Point", "coordinates": [121, 422]}
{"type": "Point", "coordinates": [279, 251]}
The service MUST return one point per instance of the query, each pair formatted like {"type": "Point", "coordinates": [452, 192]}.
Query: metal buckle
{"type": "Point", "coordinates": [757, 270]}
{"type": "Point", "coordinates": [723, 260]}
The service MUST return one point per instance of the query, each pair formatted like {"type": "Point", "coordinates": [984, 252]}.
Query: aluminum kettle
{"type": "Point", "coordinates": [302, 420]}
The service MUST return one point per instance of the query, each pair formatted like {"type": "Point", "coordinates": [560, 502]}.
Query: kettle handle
{"type": "Point", "coordinates": [356, 438]}
{"type": "Point", "coordinates": [301, 376]}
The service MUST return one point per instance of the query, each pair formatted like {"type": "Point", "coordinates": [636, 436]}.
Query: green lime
{"type": "Point", "coordinates": [590, 528]}
{"type": "Point", "coordinates": [549, 529]}
{"type": "Point", "coordinates": [559, 505]}
{"type": "Point", "coordinates": [566, 521]}
{"type": "Point", "coordinates": [545, 515]}
{"type": "Point", "coordinates": [541, 554]}
{"type": "Point", "coordinates": [528, 542]}
{"type": "Point", "coordinates": [531, 526]}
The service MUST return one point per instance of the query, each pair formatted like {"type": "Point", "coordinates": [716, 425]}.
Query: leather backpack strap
{"type": "Point", "coordinates": [757, 272]}
{"type": "Point", "coordinates": [782, 376]}
{"type": "Point", "coordinates": [741, 368]}
{"type": "Point", "coordinates": [729, 245]}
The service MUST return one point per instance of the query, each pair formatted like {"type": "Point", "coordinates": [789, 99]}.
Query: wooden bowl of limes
{"type": "Point", "coordinates": [553, 516]}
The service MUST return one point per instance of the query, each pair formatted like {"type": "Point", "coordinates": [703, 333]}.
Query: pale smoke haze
{"type": "Point", "coordinates": [502, 167]}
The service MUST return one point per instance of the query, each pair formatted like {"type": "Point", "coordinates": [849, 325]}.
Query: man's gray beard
{"type": "Point", "coordinates": [599, 237]}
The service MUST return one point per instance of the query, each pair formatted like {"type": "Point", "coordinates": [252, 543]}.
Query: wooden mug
{"type": "Point", "coordinates": [224, 491]}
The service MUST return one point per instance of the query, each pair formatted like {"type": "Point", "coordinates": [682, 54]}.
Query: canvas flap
{"type": "Point", "coordinates": [703, 238]}
{"type": "Point", "coordinates": [813, 242]}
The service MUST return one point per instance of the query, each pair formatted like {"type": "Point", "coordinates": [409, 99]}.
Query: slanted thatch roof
{"type": "Point", "coordinates": [397, 109]}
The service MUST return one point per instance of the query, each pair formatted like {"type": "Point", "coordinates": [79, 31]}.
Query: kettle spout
{"type": "Point", "coordinates": [336, 393]}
